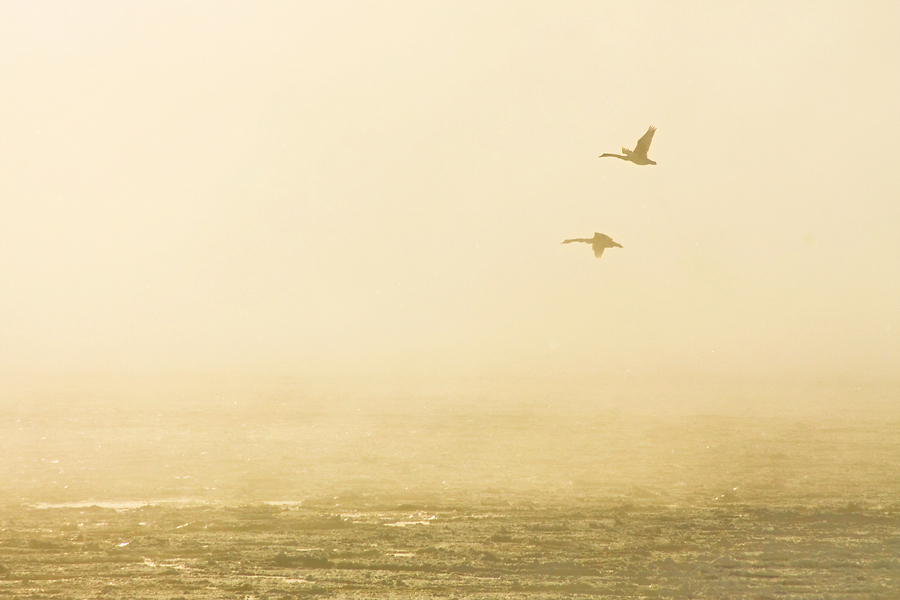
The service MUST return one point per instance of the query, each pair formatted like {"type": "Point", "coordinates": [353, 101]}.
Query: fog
{"type": "Point", "coordinates": [382, 187]}
{"type": "Point", "coordinates": [285, 309]}
{"type": "Point", "coordinates": [283, 214]}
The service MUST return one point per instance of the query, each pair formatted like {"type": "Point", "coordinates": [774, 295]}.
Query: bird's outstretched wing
{"type": "Point", "coordinates": [585, 240]}
{"type": "Point", "coordinates": [607, 241]}
{"type": "Point", "coordinates": [643, 144]}
{"type": "Point", "coordinates": [598, 251]}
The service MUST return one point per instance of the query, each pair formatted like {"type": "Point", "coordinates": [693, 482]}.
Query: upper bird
{"type": "Point", "coordinates": [639, 156]}
{"type": "Point", "coordinates": [599, 243]}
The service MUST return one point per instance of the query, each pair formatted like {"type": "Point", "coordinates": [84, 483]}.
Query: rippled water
{"type": "Point", "coordinates": [628, 489]}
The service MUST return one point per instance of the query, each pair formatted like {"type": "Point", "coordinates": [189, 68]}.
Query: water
{"type": "Point", "coordinates": [278, 441]}
{"type": "Point", "coordinates": [205, 488]}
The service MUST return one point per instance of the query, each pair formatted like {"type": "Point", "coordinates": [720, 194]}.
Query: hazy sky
{"type": "Point", "coordinates": [293, 186]}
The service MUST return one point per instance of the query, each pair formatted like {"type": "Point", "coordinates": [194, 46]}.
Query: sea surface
{"type": "Point", "coordinates": [282, 488]}
{"type": "Point", "coordinates": [287, 440]}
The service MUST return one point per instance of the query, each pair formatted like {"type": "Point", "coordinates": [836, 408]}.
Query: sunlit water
{"type": "Point", "coordinates": [667, 444]}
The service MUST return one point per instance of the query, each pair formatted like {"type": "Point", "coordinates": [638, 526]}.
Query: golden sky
{"type": "Point", "coordinates": [293, 186]}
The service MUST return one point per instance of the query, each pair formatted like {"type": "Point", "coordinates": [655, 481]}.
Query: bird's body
{"type": "Point", "coordinates": [639, 155]}
{"type": "Point", "coordinates": [599, 243]}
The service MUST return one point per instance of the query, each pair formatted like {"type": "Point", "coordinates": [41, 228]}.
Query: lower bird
{"type": "Point", "coordinates": [599, 243]}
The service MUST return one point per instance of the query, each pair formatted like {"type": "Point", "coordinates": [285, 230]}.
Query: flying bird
{"type": "Point", "coordinates": [599, 243]}
{"type": "Point", "coordinates": [639, 155]}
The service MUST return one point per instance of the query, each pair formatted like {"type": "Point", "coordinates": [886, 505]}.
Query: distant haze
{"type": "Point", "coordinates": [302, 187]}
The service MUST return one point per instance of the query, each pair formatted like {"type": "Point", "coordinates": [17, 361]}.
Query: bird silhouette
{"type": "Point", "coordinates": [599, 243]}
{"type": "Point", "coordinates": [639, 155]}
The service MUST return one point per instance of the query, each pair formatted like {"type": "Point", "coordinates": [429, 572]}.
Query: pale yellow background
{"type": "Point", "coordinates": [311, 187]}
